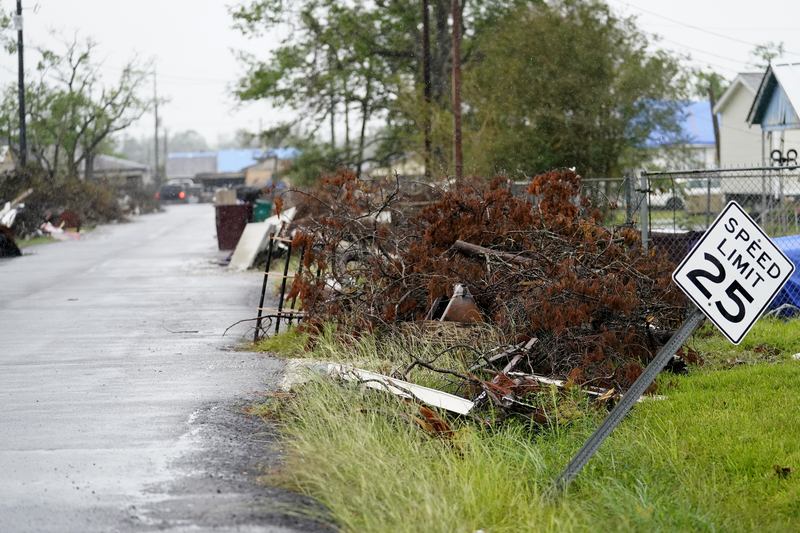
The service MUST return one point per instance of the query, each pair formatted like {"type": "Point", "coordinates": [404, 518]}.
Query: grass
{"type": "Point", "coordinates": [712, 457]}
{"type": "Point", "coordinates": [291, 343]}
{"type": "Point", "coordinates": [32, 241]}
{"type": "Point", "coordinates": [771, 340]}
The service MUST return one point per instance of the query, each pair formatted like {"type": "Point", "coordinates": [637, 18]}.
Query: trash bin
{"type": "Point", "coordinates": [262, 210]}
{"type": "Point", "coordinates": [231, 220]}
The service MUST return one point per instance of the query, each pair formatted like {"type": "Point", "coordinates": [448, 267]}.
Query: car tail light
{"type": "Point", "coordinates": [181, 195]}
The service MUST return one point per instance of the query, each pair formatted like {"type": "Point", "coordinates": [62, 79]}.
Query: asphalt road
{"type": "Point", "coordinates": [120, 400]}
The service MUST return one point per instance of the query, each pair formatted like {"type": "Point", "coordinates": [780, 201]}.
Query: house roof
{"type": "Point", "coordinates": [282, 153]}
{"type": "Point", "coordinates": [696, 126]}
{"type": "Point", "coordinates": [237, 159]}
{"type": "Point", "coordinates": [749, 80]}
{"type": "Point", "coordinates": [777, 102]}
{"type": "Point", "coordinates": [228, 160]}
{"type": "Point", "coordinates": [191, 155]}
{"type": "Point", "coordinates": [110, 162]}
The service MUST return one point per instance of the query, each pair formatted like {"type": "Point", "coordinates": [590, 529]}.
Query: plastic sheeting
{"type": "Point", "coordinates": [790, 293]}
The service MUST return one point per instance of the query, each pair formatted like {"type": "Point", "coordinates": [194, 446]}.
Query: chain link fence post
{"type": "Point", "coordinates": [644, 209]}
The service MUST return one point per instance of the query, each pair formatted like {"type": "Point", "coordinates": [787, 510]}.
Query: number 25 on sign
{"type": "Point", "coordinates": [733, 272]}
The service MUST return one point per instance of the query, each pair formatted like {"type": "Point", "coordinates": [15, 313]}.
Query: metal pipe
{"type": "Point", "coordinates": [264, 287]}
{"type": "Point", "coordinates": [283, 288]}
{"type": "Point", "coordinates": [299, 272]}
{"type": "Point", "coordinates": [23, 141]}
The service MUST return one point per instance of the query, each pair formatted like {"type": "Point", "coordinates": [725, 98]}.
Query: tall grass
{"type": "Point", "coordinates": [713, 456]}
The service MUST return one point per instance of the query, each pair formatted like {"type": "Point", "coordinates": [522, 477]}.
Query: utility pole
{"type": "Point", "coordinates": [23, 142]}
{"type": "Point", "coordinates": [166, 141]}
{"type": "Point", "coordinates": [426, 84]}
{"type": "Point", "coordinates": [155, 128]}
{"type": "Point", "coordinates": [458, 159]}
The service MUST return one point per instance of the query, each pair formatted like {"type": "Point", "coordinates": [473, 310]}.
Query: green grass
{"type": "Point", "coordinates": [24, 243]}
{"type": "Point", "coordinates": [291, 343]}
{"type": "Point", "coordinates": [771, 340]}
{"type": "Point", "coordinates": [703, 459]}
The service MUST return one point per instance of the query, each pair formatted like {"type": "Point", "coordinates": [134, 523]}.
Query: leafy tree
{"type": "Point", "coordinates": [187, 141]}
{"type": "Point", "coordinates": [568, 84]}
{"type": "Point", "coordinates": [358, 62]}
{"type": "Point", "coordinates": [72, 113]}
{"type": "Point", "coordinates": [765, 53]}
{"type": "Point", "coordinates": [710, 85]}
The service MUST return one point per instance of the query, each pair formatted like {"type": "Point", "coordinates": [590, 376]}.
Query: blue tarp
{"type": "Point", "coordinates": [235, 160]}
{"type": "Point", "coordinates": [790, 293]}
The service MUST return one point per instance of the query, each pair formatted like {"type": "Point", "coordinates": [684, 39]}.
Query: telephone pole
{"type": "Point", "coordinates": [156, 174]}
{"type": "Point", "coordinates": [23, 143]}
{"type": "Point", "coordinates": [426, 85]}
{"type": "Point", "coordinates": [458, 158]}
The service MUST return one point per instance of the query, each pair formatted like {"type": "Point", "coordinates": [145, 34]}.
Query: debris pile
{"type": "Point", "coordinates": [542, 267]}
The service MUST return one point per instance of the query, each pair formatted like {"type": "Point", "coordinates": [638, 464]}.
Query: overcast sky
{"type": "Point", "coordinates": [193, 44]}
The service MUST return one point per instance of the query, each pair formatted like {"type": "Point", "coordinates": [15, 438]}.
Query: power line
{"type": "Point", "coordinates": [697, 28]}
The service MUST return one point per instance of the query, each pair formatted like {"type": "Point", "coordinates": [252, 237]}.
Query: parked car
{"type": "Point", "coordinates": [180, 192]}
{"type": "Point", "coordinates": [691, 194]}
{"type": "Point", "coordinates": [173, 192]}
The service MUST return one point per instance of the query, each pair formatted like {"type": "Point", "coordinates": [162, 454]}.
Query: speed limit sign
{"type": "Point", "coordinates": [733, 272]}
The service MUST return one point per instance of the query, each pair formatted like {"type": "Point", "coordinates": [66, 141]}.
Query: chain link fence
{"type": "Point", "coordinates": [681, 205]}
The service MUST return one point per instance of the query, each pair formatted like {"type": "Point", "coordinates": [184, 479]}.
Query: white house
{"type": "Point", "coordinates": [776, 110]}
{"type": "Point", "coordinates": [739, 142]}
{"type": "Point", "coordinates": [740, 109]}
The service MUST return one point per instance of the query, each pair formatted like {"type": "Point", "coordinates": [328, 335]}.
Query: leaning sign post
{"type": "Point", "coordinates": [732, 274]}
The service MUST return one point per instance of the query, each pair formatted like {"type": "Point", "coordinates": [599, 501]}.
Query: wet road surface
{"type": "Point", "coordinates": [120, 401]}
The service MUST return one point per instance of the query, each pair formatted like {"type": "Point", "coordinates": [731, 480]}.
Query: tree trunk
{"type": "Point", "coordinates": [89, 174]}
{"type": "Point", "coordinates": [365, 111]}
{"type": "Point", "coordinates": [426, 86]}
{"type": "Point", "coordinates": [458, 160]}
{"type": "Point", "coordinates": [715, 122]}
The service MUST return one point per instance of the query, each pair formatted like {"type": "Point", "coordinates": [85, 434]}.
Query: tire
{"type": "Point", "coordinates": [674, 204]}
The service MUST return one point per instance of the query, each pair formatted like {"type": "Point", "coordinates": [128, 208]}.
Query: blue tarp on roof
{"type": "Point", "coordinates": [696, 126]}
{"type": "Point", "coordinates": [283, 153]}
{"type": "Point", "coordinates": [235, 160]}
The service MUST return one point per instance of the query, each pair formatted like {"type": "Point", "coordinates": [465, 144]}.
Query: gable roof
{"type": "Point", "coordinates": [777, 101]}
{"type": "Point", "coordinates": [748, 80]}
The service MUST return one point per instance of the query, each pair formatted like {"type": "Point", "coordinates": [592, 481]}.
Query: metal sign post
{"type": "Point", "coordinates": [731, 274]}
{"type": "Point", "coordinates": [629, 399]}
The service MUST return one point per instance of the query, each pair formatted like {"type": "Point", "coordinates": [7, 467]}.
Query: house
{"type": "Point", "coordinates": [272, 164]}
{"type": "Point", "coordinates": [121, 172]}
{"type": "Point", "coordinates": [697, 147]}
{"type": "Point", "coordinates": [186, 165]}
{"type": "Point", "coordinates": [740, 143]}
{"type": "Point", "coordinates": [231, 167]}
{"type": "Point", "coordinates": [776, 110]}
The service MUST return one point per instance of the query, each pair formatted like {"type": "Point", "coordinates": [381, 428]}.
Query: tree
{"type": "Point", "coordinates": [72, 113]}
{"type": "Point", "coordinates": [711, 85]}
{"type": "Point", "coordinates": [568, 84]}
{"type": "Point", "coordinates": [765, 53]}
{"type": "Point", "coordinates": [187, 141]}
{"type": "Point", "coordinates": [361, 62]}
